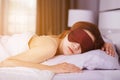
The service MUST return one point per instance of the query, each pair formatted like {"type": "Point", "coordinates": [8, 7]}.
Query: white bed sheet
{"type": "Point", "coordinates": [23, 73]}
{"type": "Point", "coordinates": [90, 75]}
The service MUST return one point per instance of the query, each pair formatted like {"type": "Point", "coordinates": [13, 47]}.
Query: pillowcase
{"type": "Point", "coordinates": [95, 59]}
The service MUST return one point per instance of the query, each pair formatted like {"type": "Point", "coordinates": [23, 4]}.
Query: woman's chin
{"type": "Point", "coordinates": [67, 53]}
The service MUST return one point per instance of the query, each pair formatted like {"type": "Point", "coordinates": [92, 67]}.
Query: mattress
{"type": "Point", "coordinates": [90, 75]}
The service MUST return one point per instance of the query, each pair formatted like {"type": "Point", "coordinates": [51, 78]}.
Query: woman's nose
{"type": "Point", "coordinates": [76, 46]}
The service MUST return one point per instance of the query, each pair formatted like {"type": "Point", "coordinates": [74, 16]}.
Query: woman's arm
{"type": "Point", "coordinates": [34, 56]}
{"type": "Point", "coordinates": [32, 61]}
{"type": "Point", "coordinates": [58, 68]}
{"type": "Point", "coordinates": [108, 48]}
{"type": "Point", "coordinates": [27, 59]}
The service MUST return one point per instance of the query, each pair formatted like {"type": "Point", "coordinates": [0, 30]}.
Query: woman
{"type": "Point", "coordinates": [82, 37]}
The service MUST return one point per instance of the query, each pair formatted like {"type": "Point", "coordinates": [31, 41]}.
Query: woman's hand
{"type": "Point", "coordinates": [65, 68]}
{"type": "Point", "coordinates": [108, 48]}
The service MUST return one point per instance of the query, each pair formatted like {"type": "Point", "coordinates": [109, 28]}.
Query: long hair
{"type": "Point", "coordinates": [63, 34]}
{"type": "Point", "coordinates": [93, 29]}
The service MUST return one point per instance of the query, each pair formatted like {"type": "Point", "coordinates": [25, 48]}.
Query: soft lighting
{"type": "Point", "coordinates": [76, 15]}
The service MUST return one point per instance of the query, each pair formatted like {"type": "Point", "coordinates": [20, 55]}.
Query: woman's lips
{"type": "Point", "coordinates": [71, 50]}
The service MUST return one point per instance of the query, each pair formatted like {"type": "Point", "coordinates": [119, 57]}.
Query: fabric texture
{"type": "Point", "coordinates": [90, 75]}
{"type": "Point", "coordinates": [14, 44]}
{"type": "Point", "coordinates": [95, 59]}
{"type": "Point", "coordinates": [23, 73]}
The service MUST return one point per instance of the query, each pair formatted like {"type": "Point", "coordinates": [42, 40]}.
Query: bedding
{"type": "Point", "coordinates": [3, 53]}
{"type": "Point", "coordinates": [99, 66]}
{"type": "Point", "coordinates": [22, 73]}
{"type": "Point", "coordinates": [19, 73]}
{"type": "Point", "coordinates": [16, 43]}
{"type": "Point", "coordinates": [95, 59]}
{"type": "Point", "coordinates": [90, 75]}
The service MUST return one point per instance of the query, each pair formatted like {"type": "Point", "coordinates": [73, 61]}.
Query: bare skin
{"type": "Point", "coordinates": [108, 48]}
{"type": "Point", "coordinates": [41, 49]}
{"type": "Point", "coordinates": [44, 48]}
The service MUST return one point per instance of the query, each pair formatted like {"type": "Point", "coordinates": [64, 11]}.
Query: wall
{"type": "Point", "coordinates": [87, 4]}
{"type": "Point", "coordinates": [113, 5]}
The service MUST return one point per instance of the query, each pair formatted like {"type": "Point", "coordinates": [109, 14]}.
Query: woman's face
{"type": "Point", "coordinates": [68, 48]}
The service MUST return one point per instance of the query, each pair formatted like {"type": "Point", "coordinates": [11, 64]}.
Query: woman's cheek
{"type": "Point", "coordinates": [66, 51]}
{"type": "Point", "coordinates": [78, 52]}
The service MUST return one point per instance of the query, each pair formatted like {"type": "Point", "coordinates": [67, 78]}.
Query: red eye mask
{"type": "Point", "coordinates": [80, 36]}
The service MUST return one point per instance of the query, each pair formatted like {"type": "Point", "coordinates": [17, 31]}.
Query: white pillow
{"type": "Point", "coordinates": [3, 53]}
{"type": "Point", "coordinates": [95, 59]}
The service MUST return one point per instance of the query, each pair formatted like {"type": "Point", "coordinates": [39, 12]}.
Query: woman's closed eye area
{"type": "Point", "coordinates": [83, 38]}
{"type": "Point", "coordinates": [68, 47]}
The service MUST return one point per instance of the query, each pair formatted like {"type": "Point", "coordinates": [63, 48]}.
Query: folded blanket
{"type": "Point", "coordinates": [22, 73]}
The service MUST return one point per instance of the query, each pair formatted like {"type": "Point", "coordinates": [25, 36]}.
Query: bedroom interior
{"type": "Point", "coordinates": [50, 17]}
{"type": "Point", "coordinates": [54, 13]}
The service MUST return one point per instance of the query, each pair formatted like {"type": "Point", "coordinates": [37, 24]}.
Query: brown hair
{"type": "Point", "coordinates": [93, 29]}
{"type": "Point", "coordinates": [63, 34]}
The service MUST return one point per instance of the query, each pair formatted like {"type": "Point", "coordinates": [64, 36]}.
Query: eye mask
{"type": "Point", "coordinates": [80, 36]}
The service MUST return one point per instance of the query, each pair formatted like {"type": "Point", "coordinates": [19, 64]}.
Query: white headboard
{"type": "Point", "coordinates": [109, 20]}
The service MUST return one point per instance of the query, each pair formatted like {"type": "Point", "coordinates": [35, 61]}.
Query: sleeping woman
{"type": "Point", "coordinates": [30, 50]}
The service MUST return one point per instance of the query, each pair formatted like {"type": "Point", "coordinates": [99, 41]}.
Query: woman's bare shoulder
{"type": "Point", "coordinates": [43, 40]}
{"type": "Point", "coordinates": [41, 49]}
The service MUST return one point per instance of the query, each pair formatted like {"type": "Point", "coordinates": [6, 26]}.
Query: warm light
{"type": "Point", "coordinates": [20, 16]}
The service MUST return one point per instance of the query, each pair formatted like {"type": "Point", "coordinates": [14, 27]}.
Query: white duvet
{"type": "Point", "coordinates": [22, 73]}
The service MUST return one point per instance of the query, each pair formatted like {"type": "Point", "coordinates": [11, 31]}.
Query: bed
{"type": "Point", "coordinates": [95, 70]}
{"type": "Point", "coordinates": [97, 65]}
{"type": "Point", "coordinates": [90, 75]}
{"type": "Point", "coordinates": [20, 73]}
